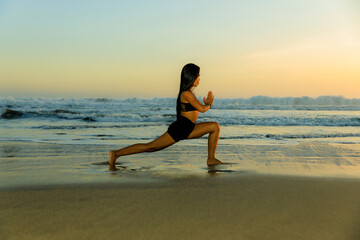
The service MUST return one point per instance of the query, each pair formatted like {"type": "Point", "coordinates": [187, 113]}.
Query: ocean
{"type": "Point", "coordinates": [257, 120]}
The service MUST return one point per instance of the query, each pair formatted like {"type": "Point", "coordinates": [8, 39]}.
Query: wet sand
{"type": "Point", "coordinates": [38, 164]}
{"type": "Point", "coordinates": [249, 206]}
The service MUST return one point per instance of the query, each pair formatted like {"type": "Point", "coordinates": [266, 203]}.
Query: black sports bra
{"type": "Point", "coordinates": [187, 107]}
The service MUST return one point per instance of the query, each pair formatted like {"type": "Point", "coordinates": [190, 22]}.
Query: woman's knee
{"type": "Point", "coordinates": [216, 126]}
{"type": "Point", "coordinates": [151, 147]}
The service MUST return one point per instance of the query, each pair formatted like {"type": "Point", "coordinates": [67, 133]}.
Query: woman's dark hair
{"type": "Point", "coordinates": [189, 74]}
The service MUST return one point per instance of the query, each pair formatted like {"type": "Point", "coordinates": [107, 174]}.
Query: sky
{"type": "Point", "coordinates": [137, 48]}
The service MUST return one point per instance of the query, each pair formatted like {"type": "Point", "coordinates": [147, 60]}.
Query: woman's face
{"type": "Point", "coordinates": [197, 81]}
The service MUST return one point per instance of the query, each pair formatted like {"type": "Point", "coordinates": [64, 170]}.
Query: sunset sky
{"type": "Point", "coordinates": [119, 49]}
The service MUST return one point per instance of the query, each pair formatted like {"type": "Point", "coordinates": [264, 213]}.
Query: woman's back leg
{"type": "Point", "coordinates": [160, 143]}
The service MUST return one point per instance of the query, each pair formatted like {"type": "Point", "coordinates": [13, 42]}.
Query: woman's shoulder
{"type": "Point", "coordinates": [185, 95]}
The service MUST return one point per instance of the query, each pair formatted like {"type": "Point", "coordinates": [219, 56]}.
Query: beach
{"type": "Point", "coordinates": [266, 88]}
{"type": "Point", "coordinates": [55, 191]}
{"type": "Point", "coordinates": [292, 171]}
{"type": "Point", "coordinates": [242, 207]}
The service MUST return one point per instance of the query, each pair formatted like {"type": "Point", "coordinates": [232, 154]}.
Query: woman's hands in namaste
{"type": "Point", "coordinates": [210, 98]}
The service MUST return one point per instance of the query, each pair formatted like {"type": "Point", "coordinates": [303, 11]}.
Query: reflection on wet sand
{"type": "Point", "coordinates": [223, 168]}
{"type": "Point", "coordinates": [114, 168]}
{"type": "Point", "coordinates": [212, 170]}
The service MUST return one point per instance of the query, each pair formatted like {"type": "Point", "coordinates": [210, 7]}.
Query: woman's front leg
{"type": "Point", "coordinates": [213, 128]}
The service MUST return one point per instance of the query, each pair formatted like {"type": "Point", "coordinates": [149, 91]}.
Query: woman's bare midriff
{"type": "Point", "coordinates": [192, 116]}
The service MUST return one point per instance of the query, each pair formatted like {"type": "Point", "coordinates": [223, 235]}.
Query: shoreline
{"type": "Point", "coordinates": [28, 163]}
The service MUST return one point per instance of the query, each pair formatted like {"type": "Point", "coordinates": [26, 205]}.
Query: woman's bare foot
{"type": "Point", "coordinates": [113, 168]}
{"type": "Point", "coordinates": [213, 161]}
{"type": "Point", "coordinates": [113, 157]}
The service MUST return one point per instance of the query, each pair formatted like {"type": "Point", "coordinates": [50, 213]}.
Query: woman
{"type": "Point", "coordinates": [187, 109]}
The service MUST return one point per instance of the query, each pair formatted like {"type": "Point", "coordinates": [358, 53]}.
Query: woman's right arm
{"type": "Point", "coordinates": [210, 98]}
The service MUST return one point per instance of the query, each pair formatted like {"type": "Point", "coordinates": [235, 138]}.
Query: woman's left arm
{"type": "Point", "coordinates": [189, 96]}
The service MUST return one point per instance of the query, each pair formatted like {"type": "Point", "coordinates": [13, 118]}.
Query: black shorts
{"type": "Point", "coordinates": [181, 128]}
